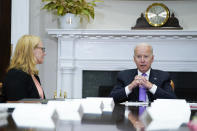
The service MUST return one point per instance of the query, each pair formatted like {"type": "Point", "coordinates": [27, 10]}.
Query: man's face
{"type": "Point", "coordinates": [143, 58]}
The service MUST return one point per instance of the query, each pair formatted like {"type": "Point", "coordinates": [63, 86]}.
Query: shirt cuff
{"type": "Point", "coordinates": [153, 89]}
{"type": "Point", "coordinates": [127, 90]}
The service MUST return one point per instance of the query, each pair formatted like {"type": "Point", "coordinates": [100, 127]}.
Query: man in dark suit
{"type": "Point", "coordinates": [156, 83]}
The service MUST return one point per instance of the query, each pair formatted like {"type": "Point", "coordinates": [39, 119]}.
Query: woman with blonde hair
{"type": "Point", "coordinates": [22, 79]}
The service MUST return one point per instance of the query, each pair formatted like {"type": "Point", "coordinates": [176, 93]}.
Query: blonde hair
{"type": "Point", "coordinates": [23, 57]}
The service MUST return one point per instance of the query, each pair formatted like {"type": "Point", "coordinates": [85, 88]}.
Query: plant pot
{"type": "Point", "coordinates": [70, 21]}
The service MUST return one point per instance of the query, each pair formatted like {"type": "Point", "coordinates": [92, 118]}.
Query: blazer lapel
{"type": "Point", "coordinates": [153, 77]}
{"type": "Point", "coordinates": [154, 80]}
{"type": "Point", "coordinates": [132, 75]}
{"type": "Point", "coordinates": [135, 90]}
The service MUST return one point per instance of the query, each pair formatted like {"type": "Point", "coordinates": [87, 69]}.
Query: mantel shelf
{"type": "Point", "coordinates": [122, 32]}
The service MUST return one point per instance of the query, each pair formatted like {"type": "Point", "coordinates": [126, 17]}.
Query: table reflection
{"type": "Point", "coordinates": [133, 116]}
{"type": "Point", "coordinates": [120, 119]}
{"type": "Point", "coordinates": [127, 118]}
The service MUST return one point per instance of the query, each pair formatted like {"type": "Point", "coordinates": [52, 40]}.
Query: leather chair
{"type": "Point", "coordinates": [172, 85]}
{"type": "Point", "coordinates": [1, 96]}
{"type": "Point", "coordinates": [1, 84]}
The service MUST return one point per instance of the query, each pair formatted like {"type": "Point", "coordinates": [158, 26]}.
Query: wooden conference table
{"type": "Point", "coordinates": [122, 118]}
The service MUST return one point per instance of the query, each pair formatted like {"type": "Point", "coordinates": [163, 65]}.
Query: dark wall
{"type": "Point", "coordinates": [98, 83]}
{"type": "Point", "coordinates": [5, 36]}
{"type": "Point", "coordinates": [185, 85]}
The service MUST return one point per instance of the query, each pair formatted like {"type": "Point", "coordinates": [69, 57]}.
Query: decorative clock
{"type": "Point", "coordinates": [157, 16]}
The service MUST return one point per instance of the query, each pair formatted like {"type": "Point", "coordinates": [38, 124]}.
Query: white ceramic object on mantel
{"type": "Point", "coordinates": [70, 21]}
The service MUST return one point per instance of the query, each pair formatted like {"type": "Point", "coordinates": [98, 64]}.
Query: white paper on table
{"type": "Point", "coordinates": [15, 105]}
{"type": "Point", "coordinates": [33, 115]}
{"type": "Point", "coordinates": [68, 109]}
{"type": "Point", "coordinates": [169, 108]}
{"type": "Point", "coordinates": [135, 103]}
{"type": "Point", "coordinates": [166, 114]}
{"type": "Point", "coordinates": [108, 103]}
{"type": "Point", "coordinates": [92, 106]}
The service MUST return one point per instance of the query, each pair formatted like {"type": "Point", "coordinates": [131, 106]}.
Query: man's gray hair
{"type": "Point", "coordinates": [144, 44]}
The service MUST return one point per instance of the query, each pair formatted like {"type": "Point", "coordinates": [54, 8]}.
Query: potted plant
{"type": "Point", "coordinates": [71, 9]}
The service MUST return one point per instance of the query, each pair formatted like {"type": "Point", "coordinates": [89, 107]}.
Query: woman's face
{"type": "Point", "coordinates": [39, 53]}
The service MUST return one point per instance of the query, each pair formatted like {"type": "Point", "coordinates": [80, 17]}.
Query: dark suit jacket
{"type": "Point", "coordinates": [19, 85]}
{"type": "Point", "coordinates": [160, 78]}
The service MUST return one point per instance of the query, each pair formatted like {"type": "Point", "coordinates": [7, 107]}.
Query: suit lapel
{"type": "Point", "coordinates": [153, 76]}
{"type": "Point", "coordinates": [154, 80]}
{"type": "Point", "coordinates": [133, 74]}
{"type": "Point", "coordinates": [135, 90]}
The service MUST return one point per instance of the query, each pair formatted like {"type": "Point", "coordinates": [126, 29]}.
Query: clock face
{"type": "Point", "coordinates": [157, 14]}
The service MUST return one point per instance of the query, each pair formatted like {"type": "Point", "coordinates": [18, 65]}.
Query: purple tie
{"type": "Point", "coordinates": [142, 91]}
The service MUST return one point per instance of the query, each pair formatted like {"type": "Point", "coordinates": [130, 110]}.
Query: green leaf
{"type": "Point", "coordinates": [97, 1]}
{"type": "Point", "coordinates": [60, 10]}
{"type": "Point", "coordinates": [49, 6]}
{"type": "Point", "coordinates": [77, 7]}
{"type": "Point", "coordinates": [86, 13]}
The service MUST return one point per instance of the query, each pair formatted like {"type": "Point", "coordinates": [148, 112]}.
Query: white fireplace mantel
{"type": "Point", "coordinates": [79, 50]}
